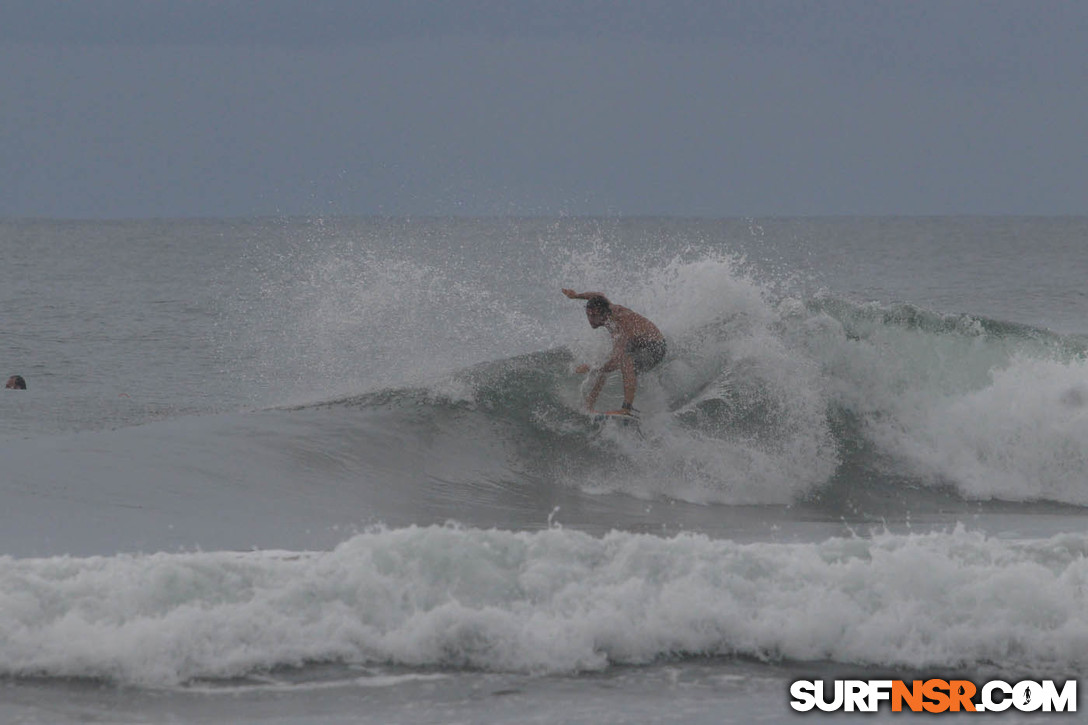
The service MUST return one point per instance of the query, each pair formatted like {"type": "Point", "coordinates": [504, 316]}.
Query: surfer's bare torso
{"type": "Point", "coordinates": [637, 344]}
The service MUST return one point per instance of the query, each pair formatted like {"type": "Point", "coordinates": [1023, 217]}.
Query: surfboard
{"type": "Point", "coordinates": [615, 415]}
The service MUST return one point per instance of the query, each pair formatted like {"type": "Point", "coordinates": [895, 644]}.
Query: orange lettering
{"type": "Point", "coordinates": [912, 696]}
{"type": "Point", "coordinates": [962, 691]}
{"type": "Point", "coordinates": [934, 690]}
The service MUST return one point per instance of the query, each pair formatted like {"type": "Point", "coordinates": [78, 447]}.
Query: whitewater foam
{"type": "Point", "coordinates": [1022, 437]}
{"type": "Point", "coordinates": [553, 601]}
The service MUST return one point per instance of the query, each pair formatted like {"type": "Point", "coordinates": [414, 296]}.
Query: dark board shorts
{"type": "Point", "coordinates": [646, 355]}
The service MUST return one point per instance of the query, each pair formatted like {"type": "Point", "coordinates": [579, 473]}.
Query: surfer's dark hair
{"type": "Point", "coordinates": [599, 304]}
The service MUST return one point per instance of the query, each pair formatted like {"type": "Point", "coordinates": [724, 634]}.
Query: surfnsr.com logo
{"type": "Point", "coordinates": [933, 695]}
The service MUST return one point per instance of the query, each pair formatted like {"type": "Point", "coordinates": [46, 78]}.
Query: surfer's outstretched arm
{"type": "Point", "coordinates": [582, 295]}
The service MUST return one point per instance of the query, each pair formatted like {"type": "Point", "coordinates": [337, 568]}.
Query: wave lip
{"type": "Point", "coordinates": [553, 601]}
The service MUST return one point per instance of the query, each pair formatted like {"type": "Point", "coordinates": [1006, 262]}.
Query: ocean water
{"type": "Point", "coordinates": [336, 470]}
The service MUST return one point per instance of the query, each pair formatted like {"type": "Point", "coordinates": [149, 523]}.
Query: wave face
{"type": "Point", "coordinates": [552, 601]}
{"type": "Point", "coordinates": [785, 402]}
{"type": "Point", "coordinates": [770, 394]}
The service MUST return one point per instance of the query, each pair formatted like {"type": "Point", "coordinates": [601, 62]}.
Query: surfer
{"type": "Point", "coordinates": [637, 345]}
{"type": "Point", "coordinates": [16, 382]}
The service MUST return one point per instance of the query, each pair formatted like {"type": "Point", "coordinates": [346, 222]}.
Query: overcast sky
{"type": "Point", "coordinates": [167, 108]}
